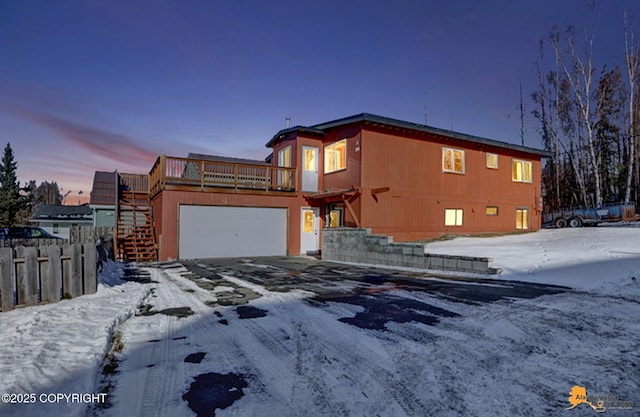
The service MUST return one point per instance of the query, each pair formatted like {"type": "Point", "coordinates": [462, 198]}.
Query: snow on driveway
{"type": "Point", "coordinates": [312, 339]}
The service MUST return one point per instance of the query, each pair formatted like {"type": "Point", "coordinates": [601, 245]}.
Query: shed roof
{"type": "Point", "coordinates": [103, 191]}
{"type": "Point", "coordinates": [373, 119]}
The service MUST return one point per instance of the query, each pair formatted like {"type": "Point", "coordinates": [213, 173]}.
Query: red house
{"type": "Point", "coordinates": [406, 180]}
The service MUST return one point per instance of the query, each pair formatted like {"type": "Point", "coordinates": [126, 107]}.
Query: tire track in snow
{"type": "Point", "coordinates": [328, 344]}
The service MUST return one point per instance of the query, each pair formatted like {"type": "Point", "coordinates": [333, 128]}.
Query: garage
{"type": "Point", "coordinates": [223, 231]}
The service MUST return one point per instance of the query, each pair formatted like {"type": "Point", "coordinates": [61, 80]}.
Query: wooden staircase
{"type": "Point", "coordinates": [136, 238]}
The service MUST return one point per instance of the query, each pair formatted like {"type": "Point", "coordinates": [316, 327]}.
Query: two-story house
{"type": "Point", "coordinates": [406, 180]}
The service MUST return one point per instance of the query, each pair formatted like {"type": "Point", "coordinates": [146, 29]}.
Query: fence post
{"type": "Point", "coordinates": [6, 279]}
{"type": "Point", "coordinates": [27, 276]}
{"type": "Point", "coordinates": [43, 272]}
{"type": "Point", "coordinates": [90, 268]}
{"type": "Point", "coordinates": [72, 271]}
{"type": "Point", "coordinates": [51, 292]}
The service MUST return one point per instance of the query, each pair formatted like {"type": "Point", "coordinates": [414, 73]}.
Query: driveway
{"type": "Point", "coordinates": [297, 336]}
{"type": "Point", "coordinates": [375, 290]}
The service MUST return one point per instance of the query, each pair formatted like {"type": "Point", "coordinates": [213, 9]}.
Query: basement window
{"type": "Point", "coordinates": [491, 211]}
{"type": "Point", "coordinates": [453, 217]}
{"type": "Point", "coordinates": [335, 156]}
{"type": "Point", "coordinates": [453, 160]}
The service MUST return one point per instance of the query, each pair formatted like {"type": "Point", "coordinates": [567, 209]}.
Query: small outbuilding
{"type": "Point", "coordinates": [58, 219]}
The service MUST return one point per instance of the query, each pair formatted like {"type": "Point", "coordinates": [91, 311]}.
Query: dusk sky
{"type": "Point", "coordinates": [106, 85]}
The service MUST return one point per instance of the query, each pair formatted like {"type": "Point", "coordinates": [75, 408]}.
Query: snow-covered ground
{"type": "Point", "coordinates": [505, 358]}
{"type": "Point", "coordinates": [583, 258]}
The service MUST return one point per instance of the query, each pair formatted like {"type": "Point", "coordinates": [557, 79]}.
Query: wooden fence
{"type": "Point", "coordinates": [46, 274]}
{"type": "Point", "coordinates": [85, 234]}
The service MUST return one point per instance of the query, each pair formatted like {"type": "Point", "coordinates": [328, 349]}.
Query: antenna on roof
{"type": "Point", "coordinates": [425, 107]}
{"type": "Point", "coordinates": [288, 121]}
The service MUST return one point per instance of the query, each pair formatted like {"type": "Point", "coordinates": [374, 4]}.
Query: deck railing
{"type": "Point", "coordinates": [171, 171]}
{"type": "Point", "coordinates": [134, 182]}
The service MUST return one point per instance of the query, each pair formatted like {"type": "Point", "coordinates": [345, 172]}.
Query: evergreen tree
{"type": "Point", "coordinates": [15, 203]}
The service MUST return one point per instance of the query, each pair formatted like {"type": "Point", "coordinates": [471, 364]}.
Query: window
{"type": "Point", "coordinates": [56, 228]}
{"type": "Point", "coordinates": [308, 221]}
{"type": "Point", "coordinates": [522, 219]}
{"type": "Point", "coordinates": [284, 157]}
{"type": "Point", "coordinates": [453, 217]}
{"type": "Point", "coordinates": [492, 161]}
{"type": "Point", "coordinates": [285, 177]}
{"type": "Point", "coordinates": [453, 160]}
{"type": "Point", "coordinates": [491, 211]}
{"type": "Point", "coordinates": [335, 156]}
{"type": "Point", "coordinates": [310, 163]}
{"type": "Point", "coordinates": [335, 218]}
{"type": "Point", "coordinates": [521, 171]}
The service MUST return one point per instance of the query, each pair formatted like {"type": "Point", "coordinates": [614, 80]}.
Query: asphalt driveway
{"type": "Point", "coordinates": [374, 289]}
{"type": "Point", "coordinates": [299, 336]}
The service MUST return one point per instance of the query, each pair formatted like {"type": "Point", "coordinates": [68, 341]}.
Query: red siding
{"type": "Point", "coordinates": [409, 163]}
{"type": "Point", "coordinates": [166, 214]}
{"type": "Point", "coordinates": [419, 191]}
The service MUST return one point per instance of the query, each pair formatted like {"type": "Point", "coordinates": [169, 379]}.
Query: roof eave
{"type": "Point", "coordinates": [298, 129]}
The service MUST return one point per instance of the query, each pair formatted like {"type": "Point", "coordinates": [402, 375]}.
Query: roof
{"type": "Point", "coordinates": [103, 191]}
{"type": "Point", "coordinates": [216, 158]}
{"type": "Point", "coordinates": [299, 129]}
{"type": "Point", "coordinates": [59, 212]}
{"type": "Point", "coordinates": [373, 119]}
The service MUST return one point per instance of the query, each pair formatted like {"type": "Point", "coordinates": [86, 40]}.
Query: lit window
{"type": "Point", "coordinates": [522, 219]}
{"type": "Point", "coordinates": [453, 217]}
{"type": "Point", "coordinates": [335, 156]}
{"type": "Point", "coordinates": [335, 218]}
{"type": "Point", "coordinates": [492, 161]}
{"type": "Point", "coordinates": [310, 159]}
{"type": "Point", "coordinates": [284, 157]}
{"type": "Point", "coordinates": [521, 171]}
{"type": "Point", "coordinates": [453, 160]}
{"type": "Point", "coordinates": [285, 178]}
{"type": "Point", "coordinates": [308, 221]}
{"type": "Point", "coordinates": [491, 211]}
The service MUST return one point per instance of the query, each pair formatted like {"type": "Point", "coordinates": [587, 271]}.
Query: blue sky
{"type": "Point", "coordinates": [105, 85]}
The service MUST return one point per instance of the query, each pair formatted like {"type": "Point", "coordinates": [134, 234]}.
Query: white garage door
{"type": "Point", "coordinates": [218, 232]}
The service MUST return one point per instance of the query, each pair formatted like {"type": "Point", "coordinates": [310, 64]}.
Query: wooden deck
{"type": "Point", "coordinates": [217, 176]}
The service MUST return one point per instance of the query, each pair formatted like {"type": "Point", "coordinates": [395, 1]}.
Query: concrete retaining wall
{"type": "Point", "coordinates": [358, 245]}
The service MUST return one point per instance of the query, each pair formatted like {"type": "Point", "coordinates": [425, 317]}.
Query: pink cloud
{"type": "Point", "coordinates": [107, 144]}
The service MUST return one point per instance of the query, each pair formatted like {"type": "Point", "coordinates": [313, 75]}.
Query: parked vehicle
{"type": "Point", "coordinates": [25, 232]}
{"type": "Point", "coordinates": [580, 216]}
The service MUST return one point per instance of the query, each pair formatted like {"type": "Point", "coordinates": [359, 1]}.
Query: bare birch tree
{"type": "Point", "coordinates": [579, 71]}
{"type": "Point", "coordinates": [632, 61]}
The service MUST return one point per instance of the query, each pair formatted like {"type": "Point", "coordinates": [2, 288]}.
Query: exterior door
{"type": "Point", "coordinates": [309, 168]}
{"type": "Point", "coordinates": [309, 228]}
